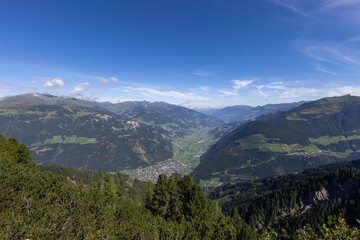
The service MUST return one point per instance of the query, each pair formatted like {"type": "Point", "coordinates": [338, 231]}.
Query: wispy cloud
{"type": "Point", "coordinates": [330, 53]}
{"type": "Point", "coordinates": [299, 93]}
{"type": "Point", "coordinates": [150, 92]}
{"type": "Point", "coordinates": [337, 16]}
{"type": "Point", "coordinates": [311, 8]}
{"type": "Point", "coordinates": [207, 72]}
{"type": "Point", "coordinates": [321, 69]}
{"type": "Point", "coordinates": [272, 85]}
{"type": "Point", "coordinates": [241, 83]}
{"type": "Point", "coordinates": [12, 88]}
{"type": "Point", "coordinates": [228, 93]}
{"type": "Point", "coordinates": [237, 84]}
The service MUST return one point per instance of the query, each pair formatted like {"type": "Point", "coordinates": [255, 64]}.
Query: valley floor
{"type": "Point", "coordinates": [187, 152]}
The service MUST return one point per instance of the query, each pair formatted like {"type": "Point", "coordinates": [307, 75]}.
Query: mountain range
{"type": "Point", "coordinates": [98, 136]}
{"type": "Point", "coordinates": [315, 133]}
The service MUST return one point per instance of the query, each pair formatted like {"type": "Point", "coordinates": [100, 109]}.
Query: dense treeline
{"type": "Point", "coordinates": [291, 201]}
{"type": "Point", "coordinates": [133, 186]}
{"type": "Point", "coordinates": [42, 205]}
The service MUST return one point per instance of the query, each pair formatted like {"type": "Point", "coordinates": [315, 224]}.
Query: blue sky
{"type": "Point", "coordinates": [196, 53]}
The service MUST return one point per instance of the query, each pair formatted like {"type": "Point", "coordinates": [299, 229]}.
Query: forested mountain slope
{"type": "Point", "coordinates": [315, 133]}
{"type": "Point", "coordinates": [82, 138]}
{"type": "Point", "coordinates": [294, 200]}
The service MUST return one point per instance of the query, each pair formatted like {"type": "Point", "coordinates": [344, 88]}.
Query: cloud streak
{"type": "Point", "coordinates": [237, 84]}
{"type": "Point", "coordinates": [150, 92]}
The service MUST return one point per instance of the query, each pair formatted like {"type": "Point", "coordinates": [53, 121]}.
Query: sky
{"type": "Point", "coordinates": [194, 53]}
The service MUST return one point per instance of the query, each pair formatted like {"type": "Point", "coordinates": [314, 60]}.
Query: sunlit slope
{"type": "Point", "coordinates": [315, 133]}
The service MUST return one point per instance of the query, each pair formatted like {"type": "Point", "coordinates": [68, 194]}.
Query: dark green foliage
{"type": "Point", "coordinates": [334, 228]}
{"type": "Point", "coordinates": [239, 155]}
{"type": "Point", "coordinates": [131, 185]}
{"type": "Point", "coordinates": [42, 205]}
{"type": "Point", "coordinates": [82, 138]}
{"type": "Point", "coordinates": [292, 201]}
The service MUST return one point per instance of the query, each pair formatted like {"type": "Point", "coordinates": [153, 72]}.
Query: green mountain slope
{"type": "Point", "coordinates": [171, 120]}
{"type": "Point", "coordinates": [83, 139]}
{"type": "Point", "coordinates": [294, 200]}
{"type": "Point", "coordinates": [315, 133]}
{"type": "Point", "coordinates": [240, 113]}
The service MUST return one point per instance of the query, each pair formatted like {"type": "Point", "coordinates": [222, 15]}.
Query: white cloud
{"type": "Point", "coordinates": [237, 84]}
{"type": "Point", "coordinates": [79, 89]}
{"type": "Point", "coordinates": [241, 83]}
{"type": "Point", "coordinates": [50, 83]}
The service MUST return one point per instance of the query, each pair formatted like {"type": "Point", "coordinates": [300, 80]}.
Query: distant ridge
{"type": "Point", "coordinates": [240, 113]}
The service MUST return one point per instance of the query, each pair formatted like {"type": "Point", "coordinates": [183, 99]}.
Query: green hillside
{"type": "Point", "coordinates": [315, 133]}
{"type": "Point", "coordinates": [292, 201]}
{"type": "Point", "coordinates": [83, 139]}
